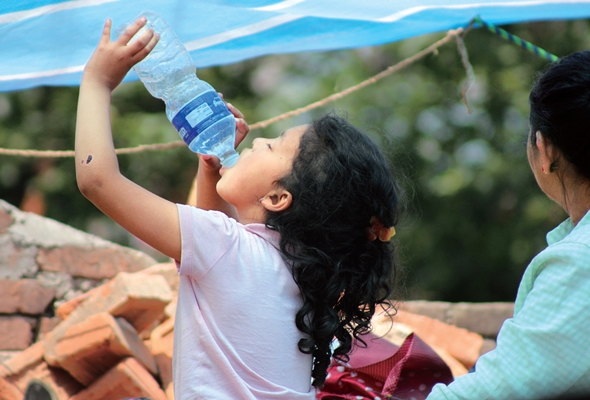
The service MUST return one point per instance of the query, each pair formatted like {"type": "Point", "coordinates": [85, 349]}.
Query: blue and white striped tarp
{"type": "Point", "coordinates": [47, 42]}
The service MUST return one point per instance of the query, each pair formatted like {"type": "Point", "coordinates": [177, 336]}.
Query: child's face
{"type": "Point", "coordinates": [253, 177]}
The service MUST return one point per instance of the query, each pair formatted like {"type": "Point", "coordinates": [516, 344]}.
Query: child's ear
{"type": "Point", "coordinates": [277, 200]}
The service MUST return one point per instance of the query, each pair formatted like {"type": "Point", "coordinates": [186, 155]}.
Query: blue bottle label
{"type": "Point", "coordinates": [199, 114]}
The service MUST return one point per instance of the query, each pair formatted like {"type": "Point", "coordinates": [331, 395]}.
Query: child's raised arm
{"type": "Point", "coordinates": [144, 214]}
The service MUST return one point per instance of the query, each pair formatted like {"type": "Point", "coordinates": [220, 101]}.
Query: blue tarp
{"type": "Point", "coordinates": [47, 42]}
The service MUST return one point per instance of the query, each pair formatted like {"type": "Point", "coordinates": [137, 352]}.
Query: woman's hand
{"type": "Point", "coordinates": [211, 163]}
{"type": "Point", "coordinates": [111, 61]}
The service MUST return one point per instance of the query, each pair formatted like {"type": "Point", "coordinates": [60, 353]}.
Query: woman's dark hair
{"type": "Point", "coordinates": [339, 180]}
{"type": "Point", "coordinates": [560, 109]}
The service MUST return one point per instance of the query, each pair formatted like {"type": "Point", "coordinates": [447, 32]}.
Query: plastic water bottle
{"type": "Point", "coordinates": [193, 106]}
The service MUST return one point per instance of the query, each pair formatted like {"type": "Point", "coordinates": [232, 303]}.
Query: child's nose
{"type": "Point", "coordinates": [256, 142]}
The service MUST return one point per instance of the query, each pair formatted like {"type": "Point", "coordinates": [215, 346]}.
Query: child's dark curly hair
{"type": "Point", "coordinates": [339, 181]}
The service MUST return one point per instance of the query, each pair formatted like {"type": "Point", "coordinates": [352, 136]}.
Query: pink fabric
{"type": "Point", "coordinates": [235, 335]}
{"type": "Point", "coordinates": [383, 370]}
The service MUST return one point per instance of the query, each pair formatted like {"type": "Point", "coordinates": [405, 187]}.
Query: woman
{"type": "Point", "coordinates": [544, 350]}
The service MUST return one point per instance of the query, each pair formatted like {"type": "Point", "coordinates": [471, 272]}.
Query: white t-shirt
{"type": "Point", "coordinates": [235, 335]}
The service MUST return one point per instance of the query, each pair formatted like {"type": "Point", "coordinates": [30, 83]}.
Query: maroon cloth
{"type": "Point", "coordinates": [383, 370]}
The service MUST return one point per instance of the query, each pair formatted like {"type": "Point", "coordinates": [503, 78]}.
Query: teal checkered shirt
{"type": "Point", "coordinates": [544, 350]}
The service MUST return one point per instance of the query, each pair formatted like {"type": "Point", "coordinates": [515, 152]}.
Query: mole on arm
{"type": "Point", "coordinates": [89, 159]}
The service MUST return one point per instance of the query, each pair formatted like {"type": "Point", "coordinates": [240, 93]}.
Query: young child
{"type": "Point", "coordinates": [285, 251]}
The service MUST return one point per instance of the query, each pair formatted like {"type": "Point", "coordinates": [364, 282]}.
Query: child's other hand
{"type": "Point", "coordinates": [242, 127]}
{"type": "Point", "coordinates": [111, 61]}
{"type": "Point", "coordinates": [211, 163]}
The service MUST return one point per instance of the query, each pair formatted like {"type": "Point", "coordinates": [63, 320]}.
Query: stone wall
{"type": "Point", "coordinates": [44, 263]}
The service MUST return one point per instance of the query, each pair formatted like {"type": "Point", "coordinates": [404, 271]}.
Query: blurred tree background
{"type": "Point", "coordinates": [474, 215]}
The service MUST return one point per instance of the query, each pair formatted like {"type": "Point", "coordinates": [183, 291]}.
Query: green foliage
{"type": "Point", "coordinates": [474, 214]}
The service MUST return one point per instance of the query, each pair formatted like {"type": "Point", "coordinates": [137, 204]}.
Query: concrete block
{"type": "Point", "coordinates": [16, 261]}
{"type": "Point", "coordinates": [16, 332]}
{"type": "Point", "coordinates": [483, 318]}
{"type": "Point", "coordinates": [24, 296]}
{"type": "Point", "coordinates": [30, 229]}
{"type": "Point", "coordinates": [487, 346]}
{"type": "Point", "coordinates": [92, 347]}
{"type": "Point", "coordinates": [434, 309]}
{"type": "Point", "coordinates": [126, 379]}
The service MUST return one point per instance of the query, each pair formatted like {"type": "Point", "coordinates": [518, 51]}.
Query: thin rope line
{"type": "Point", "coordinates": [451, 35]}
{"type": "Point", "coordinates": [515, 39]}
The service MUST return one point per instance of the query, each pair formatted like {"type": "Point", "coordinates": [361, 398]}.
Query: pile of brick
{"type": "Point", "coordinates": [75, 308]}
{"type": "Point", "coordinates": [113, 342]}
{"type": "Point", "coordinates": [82, 318]}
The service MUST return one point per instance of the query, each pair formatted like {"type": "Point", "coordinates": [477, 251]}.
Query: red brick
{"type": "Point", "coordinates": [4, 372]}
{"type": "Point", "coordinates": [463, 345]}
{"type": "Point", "coordinates": [6, 355]}
{"type": "Point", "coordinates": [138, 298]}
{"type": "Point", "coordinates": [57, 381]}
{"type": "Point", "coordinates": [162, 343]}
{"type": "Point", "coordinates": [127, 379]}
{"type": "Point", "coordinates": [30, 356]}
{"type": "Point", "coordinates": [168, 270]}
{"type": "Point", "coordinates": [16, 332]}
{"type": "Point", "coordinates": [146, 297]}
{"type": "Point", "coordinates": [46, 324]}
{"type": "Point", "coordinates": [24, 296]}
{"type": "Point", "coordinates": [90, 348]}
{"type": "Point", "coordinates": [5, 220]}
{"type": "Point", "coordinates": [66, 308]}
{"type": "Point", "coordinates": [162, 338]}
{"type": "Point", "coordinates": [456, 367]}
{"type": "Point", "coordinates": [29, 365]}
{"type": "Point", "coordinates": [94, 263]}
{"type": "Point", "coordinates": [165, 367]}
{"type": "Point", "coordinates": [9, 391]}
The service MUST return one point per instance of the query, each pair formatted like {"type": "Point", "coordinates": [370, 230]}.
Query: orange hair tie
{"type": "Point", "coordinates": [378, 230]}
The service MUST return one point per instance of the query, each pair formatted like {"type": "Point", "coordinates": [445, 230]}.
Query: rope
{"type": "Point", "coordinates": [453, 34]}
{"type": "Point", "coordinates": [515, 39]}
